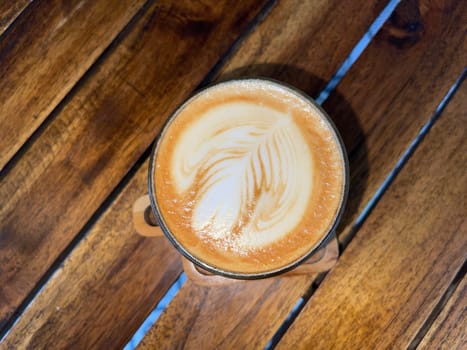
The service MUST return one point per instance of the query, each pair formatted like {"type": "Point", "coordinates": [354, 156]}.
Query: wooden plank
{"type": "Point", "coordinates": [45, 53]}
{"type": "Point", "coordinates": [9, 11]}
{"type": "Point", "coordinates": [385, 132]}
{"type": "Point", "coordinates": [303, 42]}
{"type": "Point", "coordinates": [405, 256]}
{"type": "Point", "coordinates": [378, 121]}
{"type": "Point", "coordinates": [449, 330]}
{"type": "Point", "coordinates": [65, 279]}
{"type": "Point", "coordinates": [64, 176]}
{"type": "Point", "coordinates": [103, 291]}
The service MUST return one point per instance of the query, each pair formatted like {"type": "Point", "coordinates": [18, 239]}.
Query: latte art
{"type": "Point", "coordinates": [248, 176]}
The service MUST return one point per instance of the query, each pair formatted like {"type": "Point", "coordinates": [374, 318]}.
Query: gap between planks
{"type": "Point", "coordinates": [8, 22]}
{"type": "Point", "coordinates": [438, 308]}
{"type": "Point", "coordinates": [4, 331]}
{"type": "Point", "coordinates": [423, 128]}
{"type": "Point", "coordinates": [76, 87]}
{"type": "Point", "coordinates": [366, 212]}
{"type": "Point", "coordinates": [347, 63]}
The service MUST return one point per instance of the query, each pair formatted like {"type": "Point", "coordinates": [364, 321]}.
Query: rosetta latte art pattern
{"type": "Point", "coordinates": [247, 179]}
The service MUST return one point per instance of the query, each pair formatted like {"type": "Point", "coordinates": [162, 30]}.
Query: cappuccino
{"type": "Point", "coordinates": [248, 177]}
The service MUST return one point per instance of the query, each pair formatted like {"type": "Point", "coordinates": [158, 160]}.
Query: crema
{"type": "Point", "coordinates": [248, 176]}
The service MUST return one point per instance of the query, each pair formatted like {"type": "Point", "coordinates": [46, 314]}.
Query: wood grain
{"type": "Point", "coordinates": [405, 256]}
{"type": "Point", "coordinates": [104, 289]}
{"type": "Point", "coordinates": [39, 317]}
{"type": "Point", "coordinates": [45, 53]}
{"type": "Point", "coordinates": [93, 141]}
{"type": "Point", "coordinates": [377, 120]}
{"type": "Point", "coordinates": [9, 11]}
{"type": "Point", "coordinates": [403, 95]}
{"type": "Point", "coordinates": [312, 37]}
{"type": "Point", "coordinates": [449, 330]}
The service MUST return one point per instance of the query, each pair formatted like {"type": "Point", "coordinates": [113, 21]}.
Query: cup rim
{"type": "Point", "coordinates": [255, 275]}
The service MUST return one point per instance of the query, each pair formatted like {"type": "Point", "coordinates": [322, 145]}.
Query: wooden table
{"type": "Point", "coordinates": [85, 86]}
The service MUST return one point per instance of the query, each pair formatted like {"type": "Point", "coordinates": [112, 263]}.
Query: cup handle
{"type": "Point", "coordinates": [143, 219]}
{"type": "Point", "coordinates": [146, 225]}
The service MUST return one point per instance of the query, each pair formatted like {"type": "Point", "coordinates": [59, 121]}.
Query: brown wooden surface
{"type": "Point", "coordinates": [67, 283]}
{"type": "Point", "coordinates": [64, 176]}
{"type": "Point", "coordinates": [380, 124]}
{"type": "Point", "coordinates": [406, 72]}
{"type": "Point", "coordinates": [104, 289]}
{"type": "Point", "coordinates": [449, 330]}
{"type": "Point", "coordinates": [405, 256]}
{"type": "Point", "coordinates": [304, 42]}
{"type": "Point", "coordinates": [45, 53]}
{"type": "Point", "coordinates": [9, 10]}
{"type": "Point", "coordinates": [109, 279]}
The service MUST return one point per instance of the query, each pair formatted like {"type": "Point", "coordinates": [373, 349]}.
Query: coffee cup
{"type": "Point", "coordinates": [248, 179]}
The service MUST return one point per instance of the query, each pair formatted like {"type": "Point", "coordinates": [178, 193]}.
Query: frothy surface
{"type": "Point", "coordinates": [248, 176]}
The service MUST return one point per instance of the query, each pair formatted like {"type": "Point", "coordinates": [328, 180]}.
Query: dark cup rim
{"type": "Point", "coordinates": [257, 275]}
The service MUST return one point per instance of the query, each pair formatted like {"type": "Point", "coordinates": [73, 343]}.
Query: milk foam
{"type": "Point", "coordinates": [252, 171]}
{"type": "Point", "coordinates": [249, 176]}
